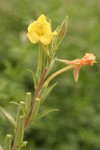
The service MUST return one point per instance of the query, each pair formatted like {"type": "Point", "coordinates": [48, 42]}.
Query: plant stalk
{"type": "Point", "coordinates": [39, 68]}
{"type": "Point", "coordinates": [56, 74]}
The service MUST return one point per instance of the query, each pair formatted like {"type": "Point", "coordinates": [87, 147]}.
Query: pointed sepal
{"type": "Point", "coordinates": [76, 72]}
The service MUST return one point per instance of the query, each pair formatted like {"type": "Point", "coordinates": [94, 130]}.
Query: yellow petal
{"type": "Point", "coordinates": [48, 26]}
{"type": "Point", "coordinates": [32, 26]}
{"type": "Point", "coordinates": [33, 37]}
{"type": "Point", "coordinates": [46, 38]}
{"type": "Point", "coordinates": [42, 18]}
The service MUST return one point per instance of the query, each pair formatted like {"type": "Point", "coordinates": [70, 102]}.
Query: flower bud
{"type": "Point", "coordinates": [7, 145]}
{"type": "Point", "coordinates": [62, 30]}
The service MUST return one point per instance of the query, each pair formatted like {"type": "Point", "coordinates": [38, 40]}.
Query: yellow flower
{"type": "Point", "coordinates": [40, 31]}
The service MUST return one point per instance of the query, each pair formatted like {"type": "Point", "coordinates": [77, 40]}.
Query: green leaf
{"type": "Point", "coordinates": [42, 114]}
{"type": "Point", "coordinates": [46, 50]}
{"type": "Point", "coordinates": [22, 107]}
{"type": "Point", "coordinates": [34, 78]}
{"type": "Point", "coordinates": [47, 91]}
{"type": "Point", "coordinates": [1, 147]}
{"type": "Point", "coordinates": [53, 42]}
{"type": "Point", "coordinates": [8, 116]}
{"type": "Point", "coordinates": [51, 64]}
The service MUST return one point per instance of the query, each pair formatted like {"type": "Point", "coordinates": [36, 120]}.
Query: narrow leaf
{"type": "Point", "coordinates": [51, 64]}
{"type": "Point", "coordinates": [21, 106]}
{"type": "Point", "coordinates": [47, 91]}
{"type": "Point", "coordinates": [42, 114]}
{"type": "Point", "coordinates": [34, 78]}
{"type": "Point", "coordinates": [46, 50]}
{"type": "Point", "coordinates": [8, 116]}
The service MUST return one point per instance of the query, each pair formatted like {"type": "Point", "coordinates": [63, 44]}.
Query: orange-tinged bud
{"type": "Point", "coordinates": [88, 59]}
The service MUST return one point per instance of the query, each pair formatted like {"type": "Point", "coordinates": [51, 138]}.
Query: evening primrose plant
{"type": "Point", "coordinates": [40, 32]}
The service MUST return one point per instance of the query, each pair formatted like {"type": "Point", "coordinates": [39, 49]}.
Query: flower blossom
{"type": "Point", "coordinates": [40, 31]}
{"type": "Point", "coordinates": [88, 59]}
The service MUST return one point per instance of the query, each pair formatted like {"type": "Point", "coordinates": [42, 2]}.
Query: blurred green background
{"type": "Point", "coordinates": [77, 125]}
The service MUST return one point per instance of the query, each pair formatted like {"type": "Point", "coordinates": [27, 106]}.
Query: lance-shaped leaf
{"type": "Point", "coordinates": [51, 64]}
{"type": "Point", "coordinates": [47, 91]}
{"type": "Point", "coordinates": [34, 78]}
{"type": "Point", "coordinates": [42, 114]}
{"type": "Point", "coordinates": [8, 116]}
{"type": "Point", "coordinates": [21, 105]}
{"type": "Point", "coordinates": [46, 50]}
{"type": "Point", "coordinates": [7, 144]}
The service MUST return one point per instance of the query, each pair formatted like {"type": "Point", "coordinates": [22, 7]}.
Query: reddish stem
{"type": "Point", "coordinates": [43, 76]}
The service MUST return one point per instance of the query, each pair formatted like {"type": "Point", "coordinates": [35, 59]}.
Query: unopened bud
{"type": "Point", "coordinates": [63, 29]}
{"type": "Point", "coordinates": [35, 108]}
{"type": "Point", "coordinates": [7, 145]}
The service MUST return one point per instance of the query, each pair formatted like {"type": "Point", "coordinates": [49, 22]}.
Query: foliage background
{"type": "Point", "coordinates": [77, 125]}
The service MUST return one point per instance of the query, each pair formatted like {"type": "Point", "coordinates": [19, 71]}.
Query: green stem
{"type": "Point", "coordinates": [56, 74]}
{"type": "Point", "coordinates": [39, 68]}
